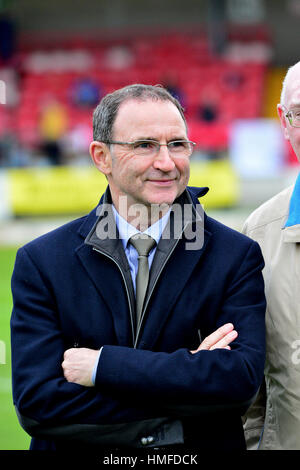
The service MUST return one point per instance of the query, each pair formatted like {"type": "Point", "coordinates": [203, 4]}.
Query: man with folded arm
{"type": "Point", "coordinates": [141, 324]}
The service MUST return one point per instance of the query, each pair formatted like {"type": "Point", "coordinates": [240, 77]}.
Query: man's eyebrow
{"type": "Point", "coordinates": [173, 139]}
{"type": "Point", "coordinates": [137, 139]}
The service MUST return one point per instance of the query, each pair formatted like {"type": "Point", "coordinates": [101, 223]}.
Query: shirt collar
{"type": "Point", "coordinates": [126, 230]}
{"type": "Point", "coordinates": [294, 210]}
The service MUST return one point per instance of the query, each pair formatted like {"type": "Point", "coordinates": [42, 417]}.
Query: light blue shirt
{"type": "Point", "coordinates": [294, 211]}
{"type": "Point", "coordinates": [126, 231]}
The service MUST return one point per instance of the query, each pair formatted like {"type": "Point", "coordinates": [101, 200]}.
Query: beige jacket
{"type": "Point", "coordinates": [274, 422]}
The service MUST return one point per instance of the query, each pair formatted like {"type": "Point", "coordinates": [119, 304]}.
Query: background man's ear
{"type": "Point", "coordinates": [283, 121]}
{"type": "Point", "coordinates": [101, 156]}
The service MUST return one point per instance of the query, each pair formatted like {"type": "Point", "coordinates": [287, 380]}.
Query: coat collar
{"type": "Point", "coordinates": [103, 273]}
{"type": "Point", "coordinates": [291, 234]}
{"type": "Point", "coordinates": [291, 229]}
{"type": "Point", "coordinates": [91, 221]}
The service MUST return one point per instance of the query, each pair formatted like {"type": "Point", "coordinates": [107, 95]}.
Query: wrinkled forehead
{"type": "Point", "coordinates": [141, 113]}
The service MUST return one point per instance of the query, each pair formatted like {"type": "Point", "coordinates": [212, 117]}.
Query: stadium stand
{"type": "Point", "coordinates": [236, 80]}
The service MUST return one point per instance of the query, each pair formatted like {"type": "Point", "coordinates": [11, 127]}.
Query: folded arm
{"type": "Point", "coordinates": [126, 376]}
{"type": "Point", "coordinates": [79, 363]}
{"type": "Point", "coordinates": [40, 390]}
{"type": "Point", "coordinates": [220, 376]}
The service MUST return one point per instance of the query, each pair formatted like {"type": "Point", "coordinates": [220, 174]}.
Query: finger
{"type": "Point", "coordinates": [71, 353]}
{"type": "Point", "coordinates": [65, 366]}
{"type": "Point", "coordinates": [224, 342]}
{"type": "Point", "coordinates": [216, 336]}
{"type": "Point", "coordinates": [222, 347]}
{"type": "Point", "coordinates": [67, 353]}
{"type": "Point", "coordinates": [69, 376]}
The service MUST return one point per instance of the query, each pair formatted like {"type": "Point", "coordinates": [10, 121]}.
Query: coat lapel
{"type": "Point", "coordinates": [172, 266]}
{"type": "Point", "coordinates": [176, 274]}
{"type": "Point", "coordinates": [179, 250]}
{"type": "Point", "coordinates": [102, 260]}
{"type": "Point", "coordinates": [107, 278]}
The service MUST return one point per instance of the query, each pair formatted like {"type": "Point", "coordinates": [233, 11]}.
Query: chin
{"type": "Point", "coordinates": [161, 201]}
{"type": "Point", "coordinates": [162, 197]}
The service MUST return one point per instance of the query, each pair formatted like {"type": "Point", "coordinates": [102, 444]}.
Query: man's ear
{"type": "Point", "coordinates": [283, 121]}
{"type": "Point", "coordinates": [101, 156]}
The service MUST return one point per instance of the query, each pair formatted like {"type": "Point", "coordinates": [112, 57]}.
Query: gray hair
{"type": "Point", "coordinates": [284, 83]}
{"type": "Point", "coordinates": [286, 80]}
{"type": "Point", "coordinates": [105, 113]}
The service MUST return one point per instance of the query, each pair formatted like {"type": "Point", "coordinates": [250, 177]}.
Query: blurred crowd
{"type": "Point", "coordinates": [50, 94]}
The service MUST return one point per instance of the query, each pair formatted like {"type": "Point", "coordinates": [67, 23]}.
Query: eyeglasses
{"type": "Point", "coordinates": [150, 148]}
{"type": "Point", "coordinates": [293, 116]}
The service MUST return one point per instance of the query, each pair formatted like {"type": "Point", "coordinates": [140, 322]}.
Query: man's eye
{"type": "Point", "coordinates": [144, 145]}
{"type": "Point", "coordinates": [178, 144]}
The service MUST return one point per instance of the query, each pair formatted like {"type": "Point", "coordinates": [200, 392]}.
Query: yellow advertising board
{"type": "Point", "coordinates": [55, 190]}
{"type": "Point", "coordinates": [76, 190]}
{"type": "Point", "coordinates": [222, 180]}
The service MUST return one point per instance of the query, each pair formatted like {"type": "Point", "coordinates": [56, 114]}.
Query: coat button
{"type": "Point", "coordinates": [147, 440]}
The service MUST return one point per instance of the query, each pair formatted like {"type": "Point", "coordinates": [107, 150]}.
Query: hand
{"type": "Point", "coordinates": [218, 339]}
{"type": "Point", "coordinates": [78, 365]}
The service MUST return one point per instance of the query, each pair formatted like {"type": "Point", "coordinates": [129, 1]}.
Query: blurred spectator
{"type": "Point", "coordinates": [53, 126]}
{"type": "Point", "coordinates": [246, 52]}
{"type": "Point", "coordinates": [208, 108]}
{"type": "Point", "coordinates": [207, 111]}
{"type": "Point", "coordinates": [85, 92]}
{"type": "Point", "coordinates": [7, 37]}
{"type": "Point", "coordinates": [118, 57]}
{"type": "Point", "coordinates": [170, 82]}
{"type": "Point", "coordinates": [233, 79]}
{"type": "Point", "coordinates": [10, 78]}
{"type": "Point", "coordinates": [58, 61]}
{"type": "Point", "coordinates": [76, 144]}
{"type": "Point", "coordinates": [52, 151]}
{"type": "Point", "coordinates": [12, 154]}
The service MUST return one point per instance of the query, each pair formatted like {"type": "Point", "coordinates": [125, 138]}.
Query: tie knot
{"type": "Point", "coordinates": [142, 243]}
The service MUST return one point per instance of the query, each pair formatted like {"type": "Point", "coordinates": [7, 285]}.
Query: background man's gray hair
{"type": "Point", "coordinates": [106, 111]}
{"type": "Point", "coordinates": [285, 82]}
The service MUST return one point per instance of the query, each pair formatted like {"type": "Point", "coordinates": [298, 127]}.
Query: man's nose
{"type": "Point", "coordinates": [163, 160]}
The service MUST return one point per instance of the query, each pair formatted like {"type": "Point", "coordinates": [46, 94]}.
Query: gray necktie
{"type": "Point", "coordinates": [143, 245]}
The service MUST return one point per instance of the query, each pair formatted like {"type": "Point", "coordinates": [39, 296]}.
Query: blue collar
{"type": "Point", "coordinates": [294, 211]}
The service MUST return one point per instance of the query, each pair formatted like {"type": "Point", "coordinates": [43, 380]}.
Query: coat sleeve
{"type": "Point", "coordinates": [254, 419]}
{"type": "Point", "coordinates": [207, 378]}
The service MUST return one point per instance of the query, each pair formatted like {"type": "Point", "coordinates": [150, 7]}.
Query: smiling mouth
{"type": "Point", "coordinates": [162, 182]}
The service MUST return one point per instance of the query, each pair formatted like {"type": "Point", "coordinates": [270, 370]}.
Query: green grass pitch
{"type": "Point", "coordinates": [12, 436]}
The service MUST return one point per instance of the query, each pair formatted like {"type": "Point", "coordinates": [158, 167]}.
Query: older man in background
{"type": "Point", "coordinates": [273, 421]}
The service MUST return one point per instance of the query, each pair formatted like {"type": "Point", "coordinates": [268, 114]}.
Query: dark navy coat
{"type": "Point", "coordinates": [71, 289]}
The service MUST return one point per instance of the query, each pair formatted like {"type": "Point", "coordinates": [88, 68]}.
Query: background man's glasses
{"type": "Point", "coordinates": [149, 148]}
{"type": "Point", "coordinates": [293, 116]}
